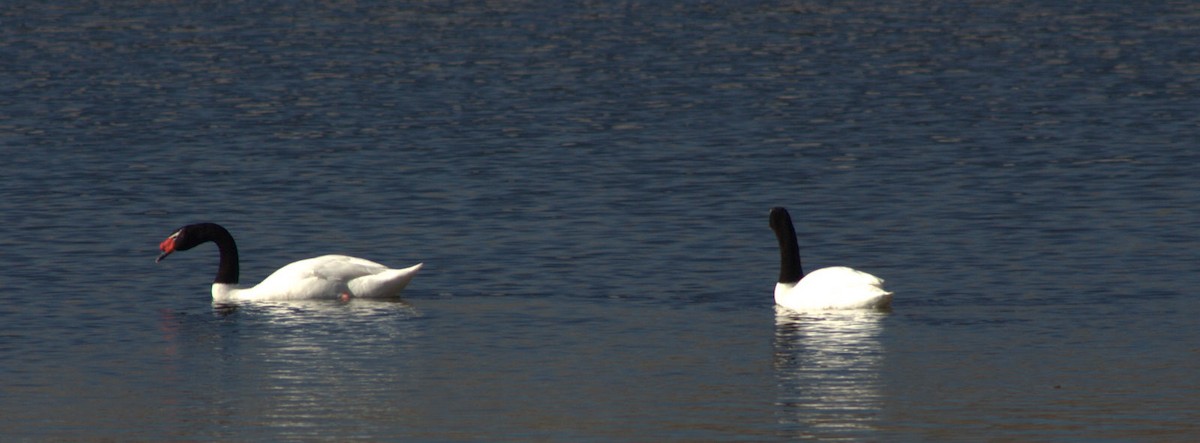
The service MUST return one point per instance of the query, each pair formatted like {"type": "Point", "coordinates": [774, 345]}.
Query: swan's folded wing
{"type": "Point", "coordinates": [344, 268]}
{"type": "Point", "coordinates": [388, 283]}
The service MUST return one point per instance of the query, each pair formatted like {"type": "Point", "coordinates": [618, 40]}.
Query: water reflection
{"type": "Point", "coordinates": [827, 369]}
{"type": "Point", "coordinates": [296, 367]}
{"type": "Point", "coordinates": [309, 310]}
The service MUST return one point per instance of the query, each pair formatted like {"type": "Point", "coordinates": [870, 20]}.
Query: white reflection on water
{"type": "Point", "coordinates": [827, 368]}
{"type": "Point", "coordinates": [299, 369]}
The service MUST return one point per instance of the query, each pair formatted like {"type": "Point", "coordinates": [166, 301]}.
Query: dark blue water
{"type": "Point", "coordinates": [588, 185]}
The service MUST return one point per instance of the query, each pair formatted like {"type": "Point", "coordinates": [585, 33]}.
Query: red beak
{"type": "Point", "coordinates": [167, 246]}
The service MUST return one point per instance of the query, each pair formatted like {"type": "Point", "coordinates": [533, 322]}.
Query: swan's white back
{"type": "Point", "coordinates": [327, 276]}
{"type": "Point", "coordinates": [835, 287]}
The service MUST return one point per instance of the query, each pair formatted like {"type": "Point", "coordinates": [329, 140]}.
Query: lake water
{"type": "Point", "coordinates": [588, 186]}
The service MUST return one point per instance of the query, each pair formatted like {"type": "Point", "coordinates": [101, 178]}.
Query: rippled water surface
{"type": "Point", "coordinates": [588, 185]}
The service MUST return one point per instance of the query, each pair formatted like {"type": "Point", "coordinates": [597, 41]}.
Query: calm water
{"type": "Point", "coordinates": [588, 185]}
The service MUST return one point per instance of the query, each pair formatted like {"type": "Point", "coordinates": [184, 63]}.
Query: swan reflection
{"type": "Point", "coordinates": [827, 368]}
{"type": "Point", "coordinates": [298, 364]}
{"type": "Point", "coordinates": [312, 310]}
{"type": "Point", "coordinates": [331, 327]}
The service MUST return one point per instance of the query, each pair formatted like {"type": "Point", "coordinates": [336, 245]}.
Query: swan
{"type": "Point", "coordinates": [325, 277]}
{"type": "Point", "coordinates": [836, 287]}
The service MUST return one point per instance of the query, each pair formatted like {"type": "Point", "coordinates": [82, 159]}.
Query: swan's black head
{"type": "Point", "coordinates": [781, 221]}
{"type": "Point", "coordinates": [189, 237]}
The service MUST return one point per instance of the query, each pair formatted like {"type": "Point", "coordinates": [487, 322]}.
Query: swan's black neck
{"type": "Point", "coordinates": [192, 235]}
{"type": "Point", "coordinates": [227, 270]}
{"type": "Point", "coordinates": [789, 250]}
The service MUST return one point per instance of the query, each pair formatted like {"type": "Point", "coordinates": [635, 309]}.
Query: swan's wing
{"type": "Point", "coordinates": [846, 276]}
{"type": "Point", "coordinates": [344, 268]}
{"type": "Point", "coordinates": [326, 267]}
{"type": "Point", "coordinates": [359, 277]}
{"type": "Point", "coordinates": [388, 283]}
{"type": "Point", "coordinates": [317, 277]}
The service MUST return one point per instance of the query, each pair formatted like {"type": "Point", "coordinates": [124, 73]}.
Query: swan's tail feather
{"type": "Point", "coordinates": [384, 284]}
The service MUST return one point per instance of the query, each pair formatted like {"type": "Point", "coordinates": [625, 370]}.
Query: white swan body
{"type": "Point", "coordinates": [835, 287]}
{"type": "Point", "coordinates": [830, 288]}
{"type": "Point", "coordinates": [325, 277]}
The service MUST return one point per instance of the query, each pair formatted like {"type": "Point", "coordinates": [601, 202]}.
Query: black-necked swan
{"type": "Point", "coordinates": [835, 287]}
{"type": "Point", "coordinates": [324, 277]}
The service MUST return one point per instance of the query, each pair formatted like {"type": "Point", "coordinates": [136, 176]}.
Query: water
{"type": "Point", "coordinates": [588, 184]}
